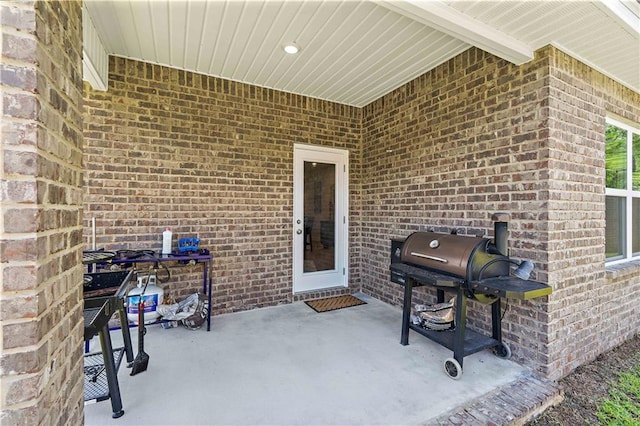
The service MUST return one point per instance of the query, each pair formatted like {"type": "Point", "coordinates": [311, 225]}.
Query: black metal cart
{"type": "Point", "coordinates": [460, 340]}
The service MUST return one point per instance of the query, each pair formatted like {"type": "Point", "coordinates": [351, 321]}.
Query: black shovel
{"type": "Point", "coordinates": [141, 362]}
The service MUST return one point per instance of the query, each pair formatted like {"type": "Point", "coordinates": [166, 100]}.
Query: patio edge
{"type": "Point", "coordinates": [513, 404]}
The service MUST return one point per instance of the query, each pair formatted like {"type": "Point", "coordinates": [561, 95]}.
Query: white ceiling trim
{"type": "Point", "coordinates": [438, 15]}
{"type": "Point", "coordinates": [627, 13]}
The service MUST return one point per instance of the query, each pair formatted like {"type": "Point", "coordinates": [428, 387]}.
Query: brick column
{"type": "Point", "coordinates": [41, 200]}
{"type": "Point", "coordinates": [592, 308]}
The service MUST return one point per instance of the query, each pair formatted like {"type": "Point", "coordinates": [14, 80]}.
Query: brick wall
{"type": "Point", "coordinates": [479, 135]}
{"type": "Point", "coordinates": [446, 151]}
{"type": "Point", "coordinates": [40, 233]}
{"type": "Point", "coordinates": [209, 158]}
{"type": "Point", "coordinates": [591, 310]}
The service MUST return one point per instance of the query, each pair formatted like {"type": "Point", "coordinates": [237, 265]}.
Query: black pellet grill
{"type": "Point", "coordinates": [471, 267]}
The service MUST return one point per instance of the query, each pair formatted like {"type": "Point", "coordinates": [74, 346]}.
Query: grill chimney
{"type": "Point", "coordinates": [501, 232]}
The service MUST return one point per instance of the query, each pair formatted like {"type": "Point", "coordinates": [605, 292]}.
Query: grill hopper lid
{"type": "Point", "coordinates": [450, 254]}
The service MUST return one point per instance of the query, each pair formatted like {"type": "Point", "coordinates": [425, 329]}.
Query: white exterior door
{"type": "Point", "coordinates": [320, 219]}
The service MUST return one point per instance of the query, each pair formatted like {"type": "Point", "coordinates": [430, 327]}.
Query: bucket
{"type": "Point", "coordinates": [153, 297]}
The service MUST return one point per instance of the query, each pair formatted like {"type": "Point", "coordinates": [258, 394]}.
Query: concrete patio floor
{"type": "Point", "coordinates": [288, 365]}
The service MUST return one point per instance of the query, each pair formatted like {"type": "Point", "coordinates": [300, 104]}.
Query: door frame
{"type": "Point", "coordinates": [338, 277]}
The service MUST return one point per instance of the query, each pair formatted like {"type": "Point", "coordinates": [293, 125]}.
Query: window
{"type": "Point", "coordinates": [623, 191]}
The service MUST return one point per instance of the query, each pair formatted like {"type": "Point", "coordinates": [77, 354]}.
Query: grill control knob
{"type": "Point", "coordinates": [434, 244]}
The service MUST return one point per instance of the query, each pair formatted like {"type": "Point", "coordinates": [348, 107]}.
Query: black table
{"type": "Point", "coordinates": [186, 258]}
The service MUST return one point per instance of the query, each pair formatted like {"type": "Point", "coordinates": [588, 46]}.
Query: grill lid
{"type": "Point", "coordinates": [442, 252]}
{"type": "Point", "coordinates": [456, 255]}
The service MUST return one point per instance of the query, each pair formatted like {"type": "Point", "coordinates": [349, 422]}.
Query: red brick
{"type": "Point", "coordinates": [18, 16]}
{"type": "Point", "coordinates": [21, 390]}
{"type": "Point", "coordinates": [20, 105]}
{"type": "Point", "coordinates": [21, 220]}
{"type": "Point", "coordinates": [21, 47]}
{"type": "Point", "coordinates": [19, 191]}
{"type": "Point", "coordinates": [18, 77]}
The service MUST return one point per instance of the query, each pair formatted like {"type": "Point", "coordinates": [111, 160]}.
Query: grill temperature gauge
{"type": "Point", "coordinates": [434, 244]}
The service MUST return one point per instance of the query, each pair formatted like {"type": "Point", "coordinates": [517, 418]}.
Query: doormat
{"type": "Point", "coordinates": [333, 303]}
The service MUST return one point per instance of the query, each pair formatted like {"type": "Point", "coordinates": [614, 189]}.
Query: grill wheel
{"type": "Point", "coordinates": [502, 351]}
{"type": "Point", "coordinates": [453, 368]}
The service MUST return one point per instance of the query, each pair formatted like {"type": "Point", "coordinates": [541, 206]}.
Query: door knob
{"type": "Point", "coordinates": [299, 231]}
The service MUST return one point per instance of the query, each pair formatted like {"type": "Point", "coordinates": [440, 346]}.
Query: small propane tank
{"type": "Point", "coordinates": [166, 241]}
{"type": "Point", "coordinates": [153, 296]}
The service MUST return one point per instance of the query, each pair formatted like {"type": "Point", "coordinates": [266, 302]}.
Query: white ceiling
{"type": "Point", "coordinates": [355, 51]}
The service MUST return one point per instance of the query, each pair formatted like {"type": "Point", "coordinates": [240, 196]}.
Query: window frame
{"type": "Point", "coordinates": [628, 194]}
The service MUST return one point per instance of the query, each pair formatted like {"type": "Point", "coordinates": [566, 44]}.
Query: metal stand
{"type": "Point", "coordinates": [205, 259]}
{"type": "Point", "coordinates": [97, 320]}
{"type": "Point", "coordinates": [112, 372]}
{"type": "Point", "coordinates": [461, 341]}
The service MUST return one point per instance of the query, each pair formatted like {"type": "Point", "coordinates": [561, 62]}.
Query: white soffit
{"type": "Point", "coordinates": [603, 34]}
{"type": "Point", "coordinates": [355, 51]}
{"type": "Point", "coordinates": [352, 52]}
{"type": "Point", "coordinates": [95, 60]}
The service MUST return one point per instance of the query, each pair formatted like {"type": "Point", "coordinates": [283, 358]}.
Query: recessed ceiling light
{"type": "Point", "coordinates": [291, 48]}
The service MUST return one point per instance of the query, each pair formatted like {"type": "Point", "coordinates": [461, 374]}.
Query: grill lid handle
{"type": "Point", "coordinates": [426, 256]}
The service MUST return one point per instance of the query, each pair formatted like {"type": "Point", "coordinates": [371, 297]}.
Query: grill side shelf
{"type": "Point", "coordinates": [402, 271]}
{"type": "Point", "coordinates": [511, 287]}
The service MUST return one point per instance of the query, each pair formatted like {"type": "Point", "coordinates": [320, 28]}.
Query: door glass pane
{"type": "Point", "coordinates": [319, 210]}
{"type": "Point", "coordinates": [616, 151]}
{"type": "Point", "coordinates": [635, 224]}
{"type": "Point", "coordinates": [615, 228]}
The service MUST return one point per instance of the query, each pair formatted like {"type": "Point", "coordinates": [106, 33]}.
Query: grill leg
{"type": "Point", "coordinates": [496, 321]}
{"type": "Point", "coordinates": [126, 334]}
{"type": "Point", "coordinates": [461, 322]}
{"type": "Point", "coordinates": [112, 373]}
{"type": "Point", "coordinates": [406, 311]}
